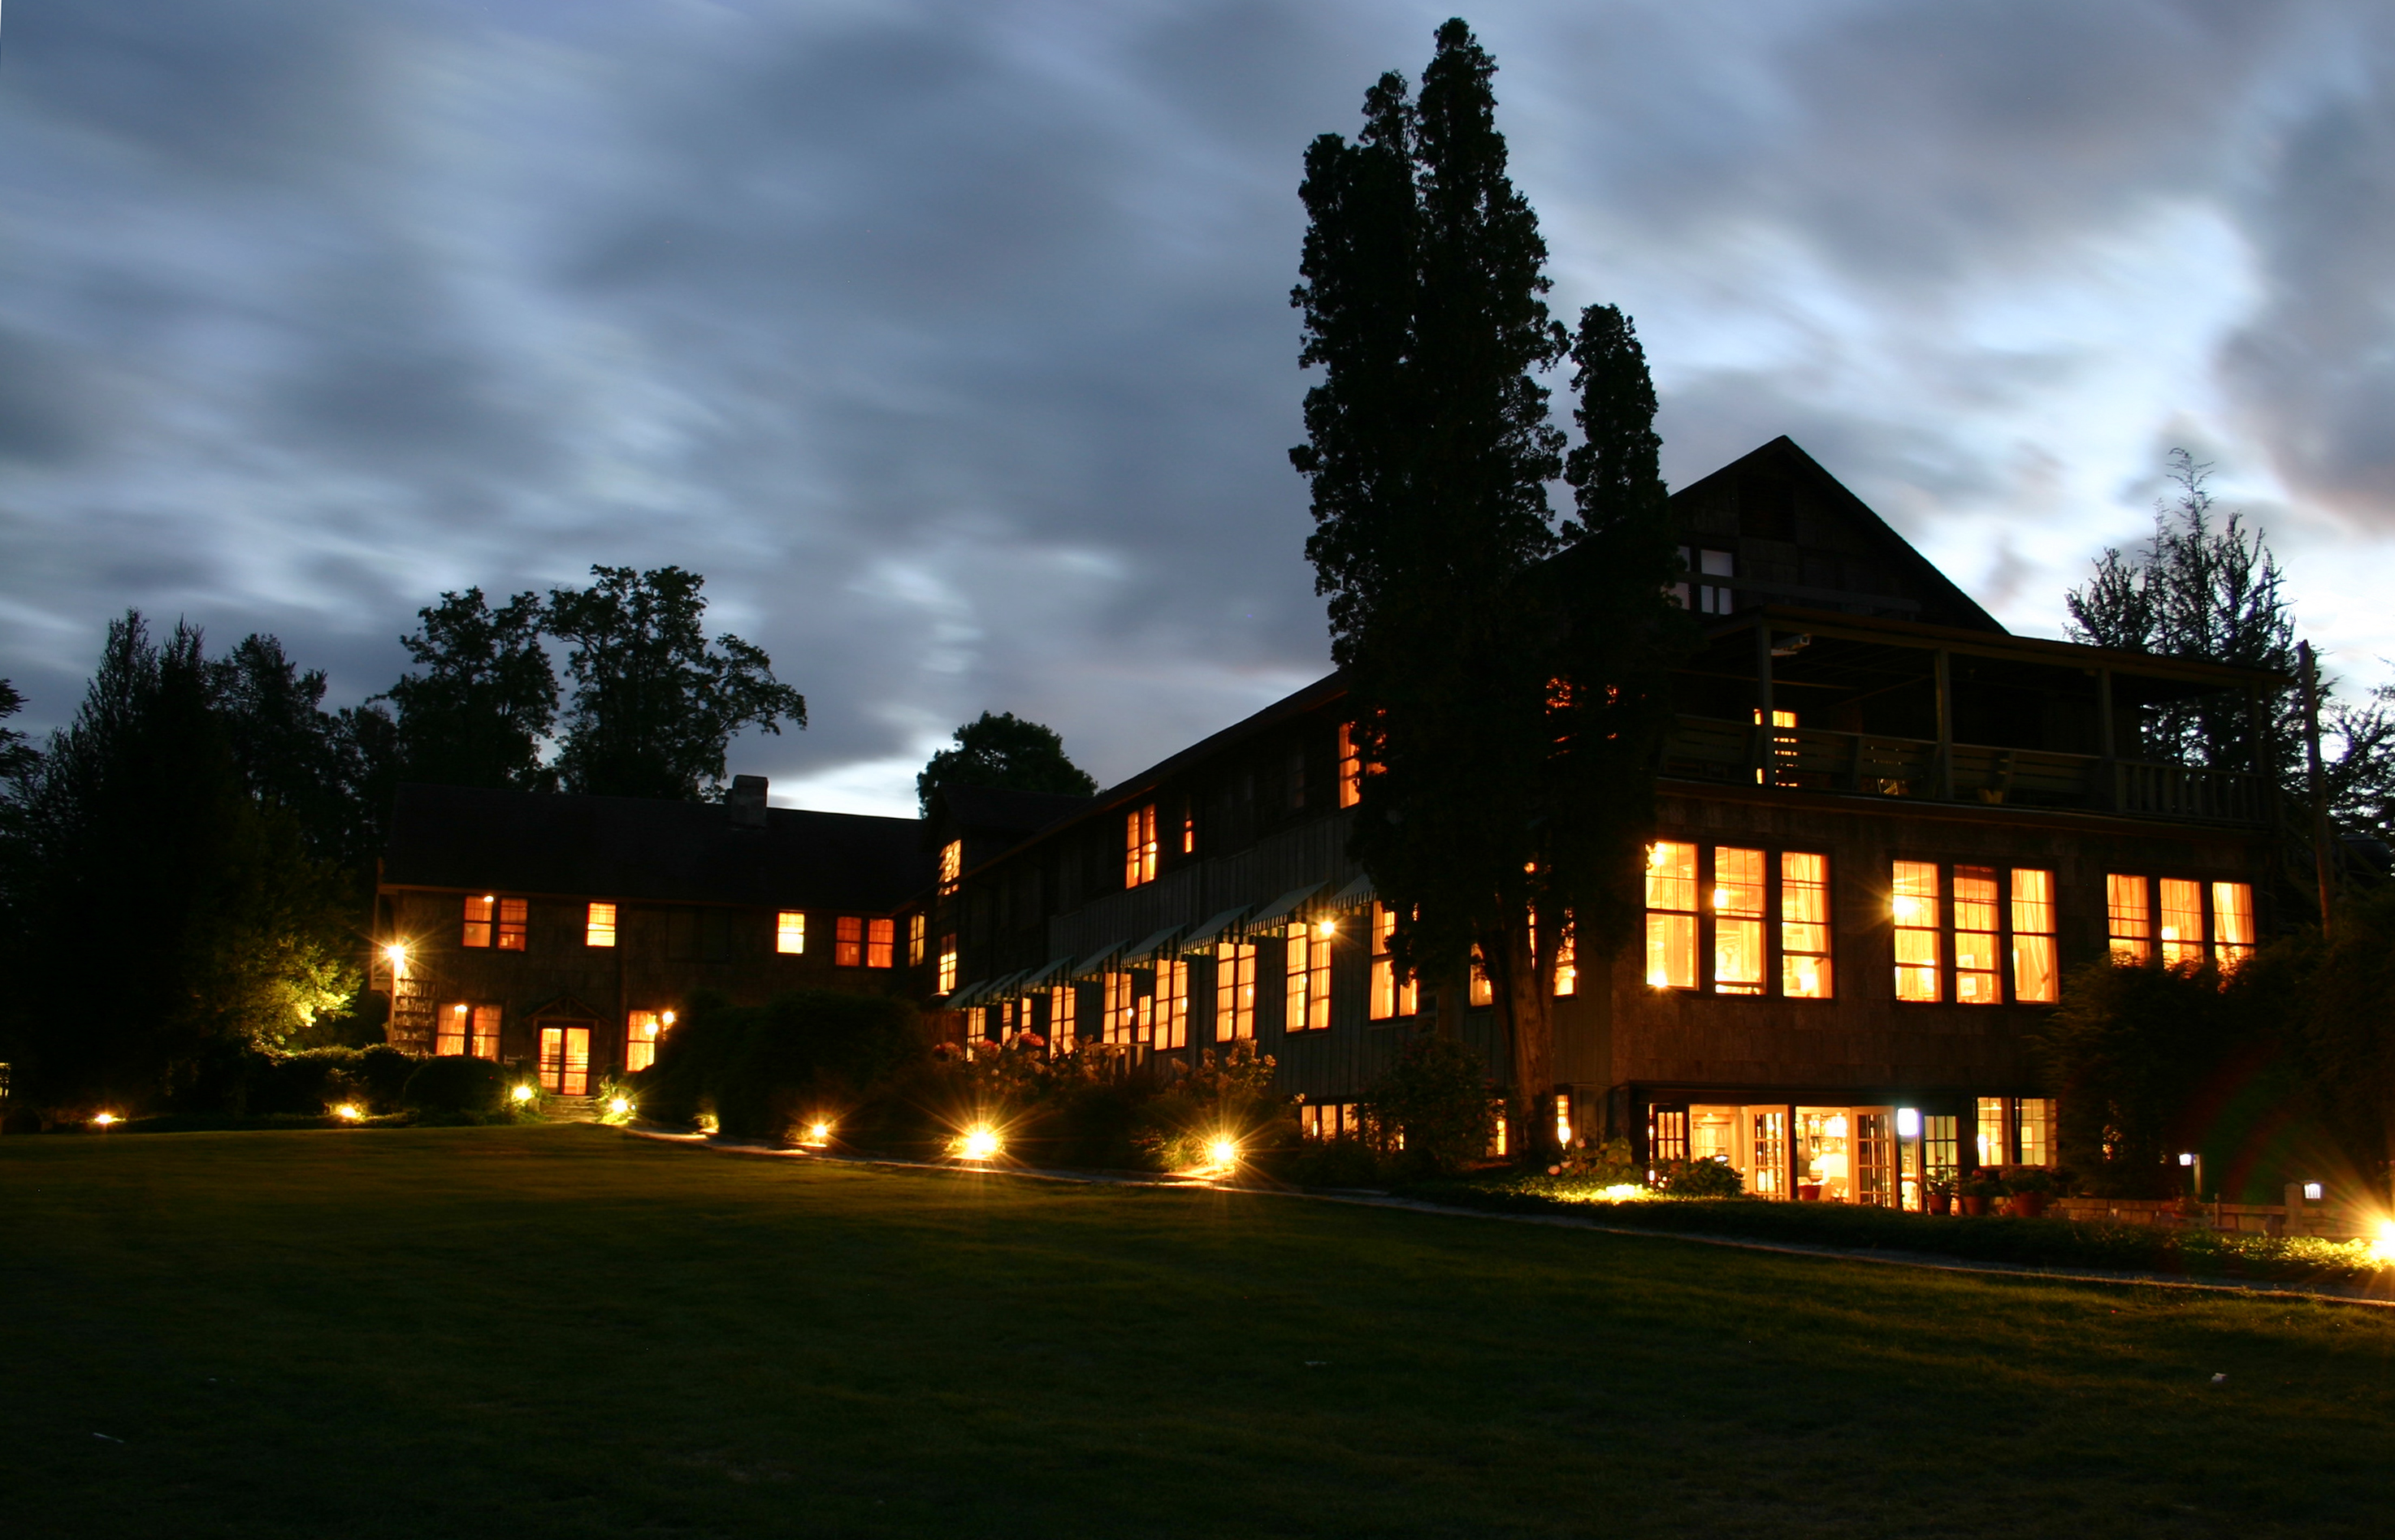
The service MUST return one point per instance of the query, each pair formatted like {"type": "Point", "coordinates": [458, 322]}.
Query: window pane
{"type": "Point", "coordinates": [479, 912]}
{"type": "Point", "coordinates": [1977, 982]}
{"type": "Point", "coordinates": [1235, 991]}
{"type": "Point", "coordinates": [486, 1033]}
{"type": "Point", "coordinates": [2182, 922]}
{"type": "Point", "coordinates": [1918, 953]}
{"type": "Point", "coordinates": [848, 942]}
{"type": "Point", "coordinates": [1672, 950]}
{"type": "Point", "coordinates": [1994, 1146]}
{"type": "Point", "coordinates": [2232, 921]}
{"type": "Point", "coordinates": [599, 926]}
{"type": "Point", "coordinates": [2035, 1128]}
{"type": "Point", "coordinates": [2129, 920]}
{"type": "Point", "coordinates": [1804, 925]}
{"type": "Point", "coordinates": [449, 1033]}
{"type": "Point", "coordinates": [1975, 898]}
{"type": "Point", "coordinates": [1672, 877]}
{"type": "Point", "coordinates": [1737, 956]}
{"type": "Point", "coordinates": [882, 943]}
{"type": "Point", "coordinates": [790, 932]}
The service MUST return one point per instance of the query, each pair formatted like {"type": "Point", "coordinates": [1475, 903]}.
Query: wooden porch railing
{"type": "Point", "coordinates": [1701, 748]}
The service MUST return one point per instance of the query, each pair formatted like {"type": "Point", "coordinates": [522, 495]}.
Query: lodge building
{"type": "Point", "coordinates": [1885, 827]}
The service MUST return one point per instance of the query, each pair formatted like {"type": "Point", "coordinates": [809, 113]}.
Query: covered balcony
{"type": "Point", "coordinates": [1813, 701]}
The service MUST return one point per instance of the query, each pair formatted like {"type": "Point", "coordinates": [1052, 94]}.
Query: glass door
{"type": "Point", "coordinates": [1767, 1153]}
{"type": "Point", "coordinates": [565, 1059]}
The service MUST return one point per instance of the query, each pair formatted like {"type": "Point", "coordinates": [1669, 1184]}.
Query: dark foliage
{"type": "Point", "coordinates": [1001, 750]}
{"type": "Point", "coordinates": [1436, 1100]}
{"type": "Point", "coordinates": [763, 1070]}
{"type": "Point", "coordinates": [655, 702]}
{"type": "Point", "coordinates": [16, 756]}
{"type": "Point", "coordinates": [314, 1080]}
{"type": "Point", "coordinates": [456, 1083]}
{"type": "Point", "coordinates": [482, 698]}
{"type": "Point", "coordinates": [167, 907]}
{"type": "Point", "coordinates": [2343, 1032]}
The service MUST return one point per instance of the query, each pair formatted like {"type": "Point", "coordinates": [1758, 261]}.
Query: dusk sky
{"type": "Point", "coordinates": [951, 341]}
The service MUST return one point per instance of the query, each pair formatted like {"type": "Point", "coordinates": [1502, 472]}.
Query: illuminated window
{"type": "Point", "coordinates": [479, 913]}
{"type": "Point", "coordinates": [848, 941]}
{"type": "Point", "coordinates": [2129, 918]}
{"type": "Point", "coordinates": [465, 1029]}
{"type": "Point", "coordinates": [1497, 1141]}
{"type": "Point", "coordinates": [1995, 1145]}
{"type": "Point", "coordinates": [1062, 1000]}
{"type": "Point", "coordinates": [1977, 980]}
{"type": "Point", "coordinates": [565, 1059]}
{"type": "Point", "coordinates": [2033, 1125]}
{"type": "Point", "coordinates": [1171, 1004]}
{"type": "Point", "coordinates": [1782, 752]}
{"type": "Point", "coordinates": [1567, 967]}
{"type": "Point", "coordinates": [1123, 1008]}
{"type": "Point", "coordinates": [513, 923]}
{"type": "Point", "coordinates": [1738, 921]}
{"type": "Point", "coordinates": [1351, 768]}
{"type": "Point", "coordinates": [2035, 969]}
{"type": "Point", "coordinates": [641, 1035]}
{"type": "Point", "coordinates": [1391, 996]}
{"type": "Point", "coordinates": [1188, 826]}
{"type": "Point", "coordinates": [1563, 1118]}
{"type": "Point", "coordinates": [599, 926]}
{"type": "Point", "coordinates": [881, 942]}
{"type": "Point", "coordinates": [952, 865]}
{"type": "Point", "coordinates": [1235, 991]}
{"type": "Point", "coordinates": [1804, 926]}
{"type": "Point", "coordinates": [948, 963]}
{"type": "Point", "coordinates": [1483, 992]}
{"type": "Point", "coordinates": [1309, 979]}
{"type": "Point", "coordinates": [2182, 919]}
{"type": "Point", "coordinates": [1919, 956]}
{"type": "Point", "coordinates": [1671, 915]}
{"type": "Point", "coordinates": [916, 926]}
{"type": "Point", "coordinates": [790, 932]}
{"type": "Point", "coordinates": [1139, 847]}
{"type": "Point", "coordinates": [2233, 922]}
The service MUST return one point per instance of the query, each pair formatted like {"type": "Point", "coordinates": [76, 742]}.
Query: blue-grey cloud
{"type": "Point", "coordinates": [951, 340]}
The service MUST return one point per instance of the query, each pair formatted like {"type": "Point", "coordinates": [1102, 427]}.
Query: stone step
{"type": "Point", "coordinates": [570, 1109]}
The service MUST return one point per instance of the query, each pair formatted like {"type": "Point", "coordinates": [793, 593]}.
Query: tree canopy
{"type": "Point", "coordinates": [1002, 750]}
{"type": "Point", "coordinates": [655, 702]}
{"type": "Point", "coordinates": [482, 698]}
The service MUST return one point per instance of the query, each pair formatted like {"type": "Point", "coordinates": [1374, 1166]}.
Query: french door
{"type": "Point", "coordinates": [565, 1059]}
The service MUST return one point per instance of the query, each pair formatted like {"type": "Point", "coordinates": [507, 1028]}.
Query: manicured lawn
{"type": "Point", "coordinates": [565, 1331]}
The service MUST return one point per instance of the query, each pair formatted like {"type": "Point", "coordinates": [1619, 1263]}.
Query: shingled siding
{"type": "Point", "coordinates": [1866, 1038]}
{"type": "Point", "coordinates": [664, 954]}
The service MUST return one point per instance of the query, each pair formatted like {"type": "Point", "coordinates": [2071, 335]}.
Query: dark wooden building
{"type": "Point", "coordinates": [565, 933]}
{"type": "Point", "coordinates": [1885, 827]}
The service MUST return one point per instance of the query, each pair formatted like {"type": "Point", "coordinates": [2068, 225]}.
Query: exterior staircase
{"type": "Point", "coordinates": [570, 1109]}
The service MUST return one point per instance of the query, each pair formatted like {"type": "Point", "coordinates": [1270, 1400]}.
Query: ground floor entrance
{"type": "Point", "coordinates": [1881, 1155]}
{"type": "Point", "coordinates": [565, 1059]}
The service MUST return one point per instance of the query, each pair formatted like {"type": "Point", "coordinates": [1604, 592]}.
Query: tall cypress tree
{"type": "Point", "coordinates": [1506, 702]}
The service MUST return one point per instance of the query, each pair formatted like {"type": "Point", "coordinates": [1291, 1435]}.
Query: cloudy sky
{"type": "Point", "coordinates": [950, 339]}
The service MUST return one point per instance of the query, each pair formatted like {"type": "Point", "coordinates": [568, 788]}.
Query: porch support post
{"type": "Point", "coordinates": [2108, 789]}
{"type": "Point", "coordinates": [1945, 770]}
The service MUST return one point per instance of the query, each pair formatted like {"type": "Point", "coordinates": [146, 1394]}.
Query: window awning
{"type": "Point", "coordinates": [1003, 988]}
{"type": "Point", "coordinates": [1213, 930]}
{"type": "Point", "coordinates": [1280, 909]}
{"type": "Point", "coordinates": [969, 995]}
{"type": "Point", "coordinates": [1356, 895]}
{"type": "Point", "coordinates": [1096, 961]}
{"type": "Point", "coordinates": [1038, 977]}
{"type": "Point", "coordinates": [1146, 950]}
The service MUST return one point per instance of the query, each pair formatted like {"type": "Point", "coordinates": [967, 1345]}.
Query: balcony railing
{"type": "Point", "coordinates": [1701, 748]}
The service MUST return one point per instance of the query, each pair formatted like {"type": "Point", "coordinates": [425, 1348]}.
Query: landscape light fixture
{"type": "Point", "coordinates": [819, 1132]}
{"type": "Point", "coordinates": [980, 1143]}
{"type": "Point", "coordinates": [1223, 1151]}
{"type": "Point", "coordinates": [347, 1111]}
{"type": "Point", "coordinates": [2311, 1193]}
{"type": "Point", "coordinates": [522, 1092]}
{"type": "Point", "coordinates": [1908, 1123]}
{"type": "Point", "coordinates": [397, 953]}
{"type": "Point", "coordinates": [619, 1105]}
{"type": "Point", "coordinates": [105, 1120]}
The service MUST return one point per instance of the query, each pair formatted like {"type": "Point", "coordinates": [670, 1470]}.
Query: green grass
{"type": "Point", "coordinates": [565, 1331]}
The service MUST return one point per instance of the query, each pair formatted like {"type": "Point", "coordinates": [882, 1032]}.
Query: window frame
{"type": "Point", "coordinates": [2007, 933]}
{"type": "Point", "coordinates": [789, 932]}
{"type": "Point", "coordinates": [1770, 916]}
{"type": "Point", "coordinates": [594, 925]}
{"type": "Point", "coordinates": [848, 941]}
{"type": "Point", "coordinates": [2211, 949]}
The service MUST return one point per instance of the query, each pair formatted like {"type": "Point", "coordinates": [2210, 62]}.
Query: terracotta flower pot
{"type": "Point", "coordinates": [1941, 1203]}
{"type": "Point", "coordinates": [1808, 1193]}
{"type": "Point", "coordinates": [1972, 1205]}
{"type": "Point", "coordinates": [2027, 1206]}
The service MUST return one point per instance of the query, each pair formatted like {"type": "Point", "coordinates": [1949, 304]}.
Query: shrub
{"type": "Point", "coordinates": [761, 1070]}
{"type": "Point", "coordinates": [1434, 1100]}
{"type": "Point", "coordinates": [1701, 1178]}
{"type": "Point", "coordinates": [1227, 1095]}
{"type": "Point", "coordinates": [1342, 1162]}
{"type": "Point", "coordinates": [1606, 1164]}
{"type": "Point", "coordinates": [456, 1083]}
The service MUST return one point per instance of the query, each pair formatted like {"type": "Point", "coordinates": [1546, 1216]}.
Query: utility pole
{"type": "Point", "coordinates": [2323, 870]}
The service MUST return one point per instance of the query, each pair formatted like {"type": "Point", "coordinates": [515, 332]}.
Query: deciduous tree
{"type": "Point", "coordinates": [482, 698]}
{"type": "Point", "coordinates": [1002, 750]}
{"type": "Point", "coordinates": [655, 702]}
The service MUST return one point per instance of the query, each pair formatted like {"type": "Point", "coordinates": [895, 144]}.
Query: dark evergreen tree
{"type": "Point", "coordinates": [16, 756]}
{"type": "Point", "coordinates": [654, 704]}
{"type": "Point", "coordinates": [483, 698]}
{"type": "Point", "coordinates": [1000, 749]}
{"type": "Point", "coordinates": [161, 916]}
{"type": "Point", "coordinates": [1429, 450]}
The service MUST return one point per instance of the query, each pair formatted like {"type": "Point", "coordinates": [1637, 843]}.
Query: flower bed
{"type": "Point", "coordinates": [2029, 1243]}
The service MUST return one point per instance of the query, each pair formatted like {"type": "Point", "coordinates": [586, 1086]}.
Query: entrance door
{"type": "Point", "coordinates": [565, 1059]}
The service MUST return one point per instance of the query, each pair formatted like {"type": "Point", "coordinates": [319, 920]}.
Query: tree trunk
{"type": "Point", "coordinates": [1530, 1028]}
{"type": "Point", "coordinates": [1448, 1001]}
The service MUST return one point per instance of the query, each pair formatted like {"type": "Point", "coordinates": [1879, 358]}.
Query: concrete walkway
{"type": "Point", "coordinates": [2383, 1296]}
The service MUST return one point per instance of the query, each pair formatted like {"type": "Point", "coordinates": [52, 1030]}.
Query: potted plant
{"type": "Point", "coordinates": [2027, 1188]}
{"type": "Point", "coordinates": [1939, 1195]}
{"type": "Point", "coordinates": [1974, 1190]}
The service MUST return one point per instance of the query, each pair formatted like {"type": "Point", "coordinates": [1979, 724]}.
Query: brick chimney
{"type": "Point", "coordinates": [747, 800]}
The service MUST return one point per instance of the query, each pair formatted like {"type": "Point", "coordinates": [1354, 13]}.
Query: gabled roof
{"type": "Point", "coordinates": [459, 838]}
{"type": "Point", "coordinates": [994, 810]}
{"type": "Point", "coordinates": [1929, 594]}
